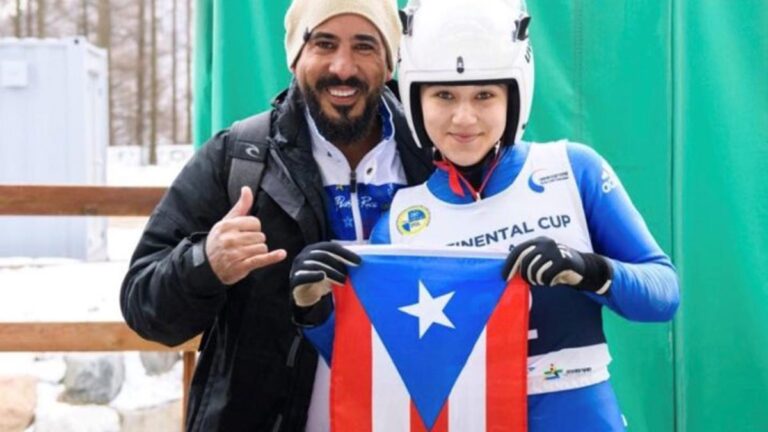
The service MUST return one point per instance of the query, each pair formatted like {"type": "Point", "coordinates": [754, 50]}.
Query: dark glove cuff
{"type": "Point", "coordinates": [318, 313]}
{"type": "Point", "coordinates": [597, 272]}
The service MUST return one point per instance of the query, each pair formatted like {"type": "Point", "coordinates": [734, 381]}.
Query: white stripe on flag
{"type": "Point", "coordinates": [466, 411]}
{"type": "Point", "coordinates": [391, 405]}
{"type": "Point", "coordinates": [318, 419]}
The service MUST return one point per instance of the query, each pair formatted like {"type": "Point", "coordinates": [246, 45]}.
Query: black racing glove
{"type": "Point", "coordinates": [314, 270]}
{"type": "Point", "coordinates": [544, 262]}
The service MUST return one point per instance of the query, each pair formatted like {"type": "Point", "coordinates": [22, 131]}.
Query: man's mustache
{"type": "Point", "coordinates": [331, 81]}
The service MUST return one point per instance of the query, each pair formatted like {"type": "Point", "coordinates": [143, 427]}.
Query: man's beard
{"type": "Point", "coordinates": [346, 129]}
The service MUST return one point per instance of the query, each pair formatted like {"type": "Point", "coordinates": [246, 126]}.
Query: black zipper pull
{"type": "Point", "coordinates": [353, 181]}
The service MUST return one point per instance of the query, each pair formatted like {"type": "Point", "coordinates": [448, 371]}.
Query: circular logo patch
{"type": "Point", "coordinates": [412, 220]}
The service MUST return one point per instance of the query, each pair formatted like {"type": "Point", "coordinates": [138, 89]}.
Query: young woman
{"type": "Point", "coordinates": [466, 81]}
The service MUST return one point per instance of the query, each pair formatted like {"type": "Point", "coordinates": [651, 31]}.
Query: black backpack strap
{"type": "Point", "coordinates": [250, 138]}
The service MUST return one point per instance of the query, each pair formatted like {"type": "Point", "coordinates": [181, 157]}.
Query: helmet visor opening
{"type": "Point", "coordinates": [513, 107]}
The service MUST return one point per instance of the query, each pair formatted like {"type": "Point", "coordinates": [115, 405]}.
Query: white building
{"type": "Point", "coordinates": [54, 129]}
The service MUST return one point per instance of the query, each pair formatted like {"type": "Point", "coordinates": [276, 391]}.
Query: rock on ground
{"type": "Point", "coordinates": [18, 398]}
{"type": "Point", "coordinates": [157, 363]}
{"type": "Point", "coordinates": [93, 378]}
{"type": "Point", "coordinates": [159, 418]}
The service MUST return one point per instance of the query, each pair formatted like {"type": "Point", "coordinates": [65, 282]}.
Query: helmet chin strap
{"type": "Point", "coordinates": [456, 178]}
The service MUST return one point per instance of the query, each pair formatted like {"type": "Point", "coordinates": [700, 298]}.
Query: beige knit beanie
{"type": "Point", "coordinates": [304, 15]}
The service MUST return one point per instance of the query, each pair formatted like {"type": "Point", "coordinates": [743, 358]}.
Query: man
{"type": "Point", "coordinates": [339, 148]}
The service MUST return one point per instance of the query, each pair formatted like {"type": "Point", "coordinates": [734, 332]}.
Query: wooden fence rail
{"type": "Point", "coordinates": [59, 200]}
{"type": "Point", "coordinates": [45, 200]}
{"type": "Point", "coordinates": [78, 336]}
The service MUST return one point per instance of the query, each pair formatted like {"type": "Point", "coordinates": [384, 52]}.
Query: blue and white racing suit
{"type": "Point", "coordinates": [567, 192]}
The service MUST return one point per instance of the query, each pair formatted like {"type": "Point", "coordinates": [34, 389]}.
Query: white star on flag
{"type": "Point", "coordinates": [429, 310]}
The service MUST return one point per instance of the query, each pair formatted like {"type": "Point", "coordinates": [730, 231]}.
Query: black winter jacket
{"type": "Point", "coordinates": [255, 371]}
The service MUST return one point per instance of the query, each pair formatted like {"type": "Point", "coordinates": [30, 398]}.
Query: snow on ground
{"type": "Point", "coordinates": [60, 289]}
{"type": "Point", "coordinates": [72, 291]}
{"type": "Point", "coordinates": [124, 167]}
{"type": "Point", "coordinates": [141, 390]}
{"type": "Point", "coordinates": [56, 289]}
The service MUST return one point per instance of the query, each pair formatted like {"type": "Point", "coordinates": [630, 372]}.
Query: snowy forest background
{"type": "Point", "coordinates": [150, 58]}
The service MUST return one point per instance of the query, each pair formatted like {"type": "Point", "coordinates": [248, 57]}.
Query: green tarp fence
{"type": "Point", "coordinates": [675, 95]}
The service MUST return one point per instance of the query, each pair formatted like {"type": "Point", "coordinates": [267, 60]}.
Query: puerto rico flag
{"type": "Point", "coordinates": [429, 340]}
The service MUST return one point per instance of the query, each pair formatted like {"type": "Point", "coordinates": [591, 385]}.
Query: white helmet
{"type": "Point", "coordinates": [466, 42]}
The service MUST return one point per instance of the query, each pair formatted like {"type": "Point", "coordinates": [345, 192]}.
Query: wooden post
{"type": "Point", "coordinates": [190, 357]}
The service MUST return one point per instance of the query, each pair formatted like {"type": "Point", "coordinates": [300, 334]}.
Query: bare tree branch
{"type": "Point", "coordinates": [188, 111]}
{"type": "Point", "coordinates": [153, 84]}
{"type": "Point", "coordinates": [140, 76]}
{"type": "Point", "coordinates": [30, 30]}
{"type": "Point", "coordinates": [174, 74]}
{"type": "Point", "coordinates": [40, 18]}
{"type": "Point", "coordinates": [17, 20]}
{"type": "Point", "coordinates": [104, 34]}
{"type": "Point", "coordinates": [84, 18]}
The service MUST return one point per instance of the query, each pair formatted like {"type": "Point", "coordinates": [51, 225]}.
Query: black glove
{"type": "Point", "coordinates": [544, 262]}
{"type": "Point", "coordinates": [316, 268]}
